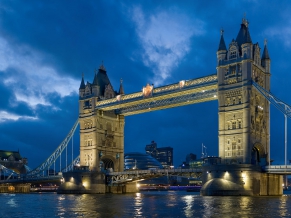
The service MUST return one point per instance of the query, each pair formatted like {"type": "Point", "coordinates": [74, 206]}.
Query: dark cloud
{"type": "Point", "coordinates": [74, 37]}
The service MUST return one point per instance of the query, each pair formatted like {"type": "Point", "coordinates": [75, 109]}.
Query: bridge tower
{"type": "Point", "coordinates": [101, 133]}
{"type": "Point", "coordinates": [243, 112]}
{"type": "Point", "coordinates": [244, 116]}
{"type": "Point", "coordinates": [101, 140]}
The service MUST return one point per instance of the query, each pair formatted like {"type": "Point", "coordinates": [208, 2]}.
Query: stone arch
{"type": "Point", "coordinates": [258, 152]}
{"type": "Point", "coordinates": [107, 162]}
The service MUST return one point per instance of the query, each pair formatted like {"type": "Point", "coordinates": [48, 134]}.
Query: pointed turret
{"type": "Point", "coordinates": [266, 61]}
{"type": "Point", "coordinates": [221, 46]}
{"type": "Point", "coordinates": [222, 51]}
{"type": "Point", "coordinates": [243, 35]}
{"type": "Point", "coordinates": [265, 53]}
{"type": "Point", "coordinates": [121, 90]}
{"type": "Point", "coordinates": [82, 85]}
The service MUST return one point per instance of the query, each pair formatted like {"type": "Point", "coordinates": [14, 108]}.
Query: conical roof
{"type": "Point", "coordinates": [265, 53]}
{"type": "Point", "coordinates": [121, 90]}
{"type": "Point", "coordinates": [101, 79]}
{"type": "Point", "coordinates": [221, 46]}
{"type": "Point", "coordinates": [243, 35]}
{"type": "Point", "coordinates": [95, 81]}
{"type": "Point", "coordinates": [82, 85]}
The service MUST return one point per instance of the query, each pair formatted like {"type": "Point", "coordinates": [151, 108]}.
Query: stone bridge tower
{"type": "Point", "coordinates": [101, 132]}
{"type": "Point", "coordinates": [243, 112]}
{"type": "Point", "coordinates": [244, 115]}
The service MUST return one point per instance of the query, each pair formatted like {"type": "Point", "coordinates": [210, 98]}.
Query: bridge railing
{"type": "Point", "coordinates": [134, 172]}
{"type": "Point", "coordinates": [278, 169]}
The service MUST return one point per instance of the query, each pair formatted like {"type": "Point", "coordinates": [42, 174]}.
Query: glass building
{"type": "Point", "coordinates": [164, 155]}
{"type": "Point", "coordinates": [139, 161]}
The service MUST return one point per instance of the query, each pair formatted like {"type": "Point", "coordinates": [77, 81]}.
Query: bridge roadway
{"type": "Point", "coordinates": [138, 175]}
{"type": "Point", "coordinates": [278, 169]}
{"type": "Point", "coordinates": [39, 179]}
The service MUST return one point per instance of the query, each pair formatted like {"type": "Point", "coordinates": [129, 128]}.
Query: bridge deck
{"type": "Point", "coordinates": [278, 169]}
{"type": "Point", "coordinates": [137, 175]}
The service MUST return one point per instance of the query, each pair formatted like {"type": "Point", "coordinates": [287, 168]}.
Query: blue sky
{"type": "Point", "coordinates": [45, 46]}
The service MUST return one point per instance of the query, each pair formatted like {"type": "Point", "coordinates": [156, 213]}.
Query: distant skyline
{"type": "Point", "coordinates": [46, 46]}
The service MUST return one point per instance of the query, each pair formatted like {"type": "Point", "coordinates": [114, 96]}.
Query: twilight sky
{"type": "Point", "coordinates": [45, 46]}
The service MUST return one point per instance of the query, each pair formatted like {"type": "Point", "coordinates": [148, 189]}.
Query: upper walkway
{"type": "Point", "coordinates": [150, 99]}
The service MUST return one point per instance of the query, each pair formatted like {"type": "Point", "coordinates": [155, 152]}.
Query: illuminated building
{"type": "Point", "coordinates": [164, 155]}
{"type": "Point", "coordinates": [139, 161]}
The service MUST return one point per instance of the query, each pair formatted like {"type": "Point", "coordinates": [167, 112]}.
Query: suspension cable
{"type": "Point", "coordinates": [57, 153]}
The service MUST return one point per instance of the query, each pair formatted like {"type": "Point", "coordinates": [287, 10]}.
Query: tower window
{"type": "Point", "coordinates": [239, 124]}
{"type": "Point", "coordinates": [239, 99]}
{"type": "Point", "coordinates": [234, 125]}
{"type": "Point", "coordinates": [232, 55]}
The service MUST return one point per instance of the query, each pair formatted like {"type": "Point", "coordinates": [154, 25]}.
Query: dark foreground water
{"type": "Point", "coordinates": [144, 204]}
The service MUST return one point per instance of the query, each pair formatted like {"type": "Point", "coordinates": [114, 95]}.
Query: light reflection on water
{"type": "Point", "coordinates": [145, 204]}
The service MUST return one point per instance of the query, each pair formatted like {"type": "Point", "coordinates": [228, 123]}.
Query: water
{"type": "Point", "coordinates": [145, 204]}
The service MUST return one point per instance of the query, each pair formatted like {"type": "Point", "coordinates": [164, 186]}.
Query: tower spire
{"type": "Point", "coordinates": [121, 90]}
{"type": "Point", "coordinates": [102, 67]}
{"type": "Point", "coordinates": [265, 52]}
{"type": "Point", "coordinates": [82, 85]}
{"type": "Point", "coordinates": [244, 35]}
{"type": "Point", "coordinates": [221, 46]}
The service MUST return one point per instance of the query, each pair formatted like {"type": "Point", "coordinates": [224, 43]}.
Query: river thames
{"type": "Point", "coordinates": [144, 204]}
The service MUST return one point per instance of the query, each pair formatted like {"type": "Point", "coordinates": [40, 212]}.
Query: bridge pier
{"type": "Point", "coordinates": [122, 189]}
{"type": "Point", "coordinates": [239, 179]}
{"type": "Point", "coordinates": [14, 188]}
{"type": "Point", "coordinates": [82, 183]}
{"type": "Point", "coordinates": [91, 183]}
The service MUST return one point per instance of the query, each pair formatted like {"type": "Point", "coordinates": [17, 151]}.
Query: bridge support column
{"type": "Point", "coordinates": [239, 179]}
{"type": "Point", "coordinates": [83, 183]}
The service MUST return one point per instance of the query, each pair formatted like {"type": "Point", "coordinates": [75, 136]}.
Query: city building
{"type": "Point", "coordinates": [164, 154]}
{"type": "Point", "coordinates": [13, 160]}
{"type": "Point", "coordinates": [139, 161]}
{"type": "Point", "coordinates": [189, 158]}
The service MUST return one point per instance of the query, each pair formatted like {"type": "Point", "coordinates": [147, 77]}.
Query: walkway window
{"type": "Point", "coordinates": [234, 125]}
{"type": "Point", "coordinates": [239, 124]}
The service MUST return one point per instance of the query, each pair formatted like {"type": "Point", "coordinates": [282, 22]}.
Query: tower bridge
{"type": "Point", "coordinates": [242, 88]}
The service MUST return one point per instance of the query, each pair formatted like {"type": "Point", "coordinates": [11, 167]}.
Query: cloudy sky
{"type": "Point", "coordinates": [45, 46]}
